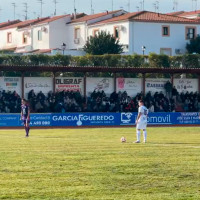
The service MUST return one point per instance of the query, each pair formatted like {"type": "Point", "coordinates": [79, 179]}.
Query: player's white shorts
{"type": "Point", "coordinates": [141, 125]}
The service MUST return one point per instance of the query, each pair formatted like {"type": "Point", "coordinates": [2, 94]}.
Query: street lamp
{"type": "Point", "coordinates": [143, 49]}
{"type": "Point", "coordinates": [63, 46]}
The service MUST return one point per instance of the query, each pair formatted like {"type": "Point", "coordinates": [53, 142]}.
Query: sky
{"type": "Point", "coordinates": [67, 7]}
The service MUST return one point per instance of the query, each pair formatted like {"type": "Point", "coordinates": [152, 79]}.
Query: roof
{"type": "Point", "coordinates": [146, 16]}
{"type": "Point", "coordinates": [90, 17]}
{"type": "Point", "coordinates": [23, 23]}
{"type": "Point", "coordinates": [26, 23]}
{"type": "Point", "coordinates": [176, 13]}
{"type": "Point", "coordinates": [196, 12]}
{"type": "Point", "coordinates": [51, 19]}
{"type": "Point", "coordinates": [8, 23]}
{"type": "Point", "coordinates": [38, 68]}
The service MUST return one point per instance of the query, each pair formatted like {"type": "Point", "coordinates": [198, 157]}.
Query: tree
{"type": "Point", "coordinates": [194, 45]}
{"type": "Point", "coordinates": [103, 43]}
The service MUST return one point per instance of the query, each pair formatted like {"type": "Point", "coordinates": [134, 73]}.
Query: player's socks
{"type": "Point", "coordinates": [26, 128]}
{"type": "Point", "coordinates": [145, 135]}
{"type": "Point", "coordinates": [138, 136]}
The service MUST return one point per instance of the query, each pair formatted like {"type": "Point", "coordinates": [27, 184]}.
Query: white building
{"type": "Point", "coordinates": [77, 29]}
{"type": "Point", "coordinates": [158, 33]}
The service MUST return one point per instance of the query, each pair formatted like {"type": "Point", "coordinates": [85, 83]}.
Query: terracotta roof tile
{"type": "Point", "coordinates": [51, 19]}
{"type": "Point", "coordinates": [8, 23]}
{"type": "Point", "coordinates": [23, 23]}
{"type": "Point", "coordinates": [146, 16]}
{"type": "Point", "coordinates": [175, 13]}
{"type": "Point", "coordinates": [90, 17]}
{"type": "Point", "coordinates": [189, 13]}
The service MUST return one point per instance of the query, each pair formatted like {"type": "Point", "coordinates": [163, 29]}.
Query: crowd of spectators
{"type": "Point", "coordinates": [10, 102]}
{"type": "Point", "coordinates": [98, 101]}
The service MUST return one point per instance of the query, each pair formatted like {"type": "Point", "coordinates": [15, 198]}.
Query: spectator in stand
{"type": "Point", "coordinates": [73, 101]}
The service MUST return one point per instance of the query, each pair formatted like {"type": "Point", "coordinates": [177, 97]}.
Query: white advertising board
{"type": "Point", "coordinates": [155, 85]}
{"type": "Point", "coordinates": [99, 84]}
{"type": "Point", "coordinates": [184, 85]}
{"type": "Point", "coordinates": [70, 84]}
{"type": "Point", "coordinates": [44, 84]}
{"type": "Point", "coordinates": [11, 84]}
{"type": "Point", "coordinates": [132, 86]}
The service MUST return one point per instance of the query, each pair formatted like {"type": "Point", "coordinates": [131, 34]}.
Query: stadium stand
{"type": "Point", "coordinates": [69, 101]}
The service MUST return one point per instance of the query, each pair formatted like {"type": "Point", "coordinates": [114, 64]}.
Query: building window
{"type": "Point", "coordinates": [9, 37]}
{"type": "Point", "coordinates": [39, 35]}
{"type": "Point", "coordinates": [166, 51]}
{"type": "Point", "coordinates": [116, 32]}
{"type": "Point", "coordinates": [24, 38]}
{"type": "Point", "coordinates": [95, 32]}
{"type": "Point", "coordinates": [190, 33]}
{"type": "Point", "coordinates": [77, 33]}
{"type": "Point", "coordinates": [165, 31]}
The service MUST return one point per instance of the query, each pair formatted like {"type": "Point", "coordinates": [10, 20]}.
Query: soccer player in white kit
{"type": "Point", "coordinates": [141, 121]}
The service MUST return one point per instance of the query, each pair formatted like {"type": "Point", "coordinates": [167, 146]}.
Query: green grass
{"type": "Point", "coordinates": [92, 164]}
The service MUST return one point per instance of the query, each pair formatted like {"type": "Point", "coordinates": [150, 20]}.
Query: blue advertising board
{"type": "Point", "coordinates": [99, 119]}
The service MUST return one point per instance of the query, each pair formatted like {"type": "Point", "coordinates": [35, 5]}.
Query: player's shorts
{"type": "Point", "coordinates": [141, 125]}
{"type": "Point", "coordinates": [26, 121]}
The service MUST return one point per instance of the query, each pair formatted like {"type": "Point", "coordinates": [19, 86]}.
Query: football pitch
{"type": "Point", "coordinates": [92, 164]}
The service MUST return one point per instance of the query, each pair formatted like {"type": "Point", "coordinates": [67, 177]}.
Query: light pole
{"type": "Point", "coordinates": [143, 49]}
{"type": "Point", "coordinates": [63, 46]}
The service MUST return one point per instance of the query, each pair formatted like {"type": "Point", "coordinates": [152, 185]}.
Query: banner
{"type": "Point", "coordinates": [13, 120]}
{"type": "Point", "coordinates": [44, 84]}
{"type": "Point", "coordinates": [99, 84]}
{"type": "Point", "coordinates": [99, 119]}
{"type": "Point", "coordinates": [186, 85]}
{"type": "Point", "coordinates": [132, 86]}
{"type": "Point", "coordinates": [11, 84]}
{"type": "Point", "coordinates": [69, 84]}
{"type": "Point", "coordinates": [155, 85]}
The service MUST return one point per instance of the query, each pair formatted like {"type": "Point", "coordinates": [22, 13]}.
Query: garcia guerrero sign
{"type": "Point", "coordinates": [69, 84]}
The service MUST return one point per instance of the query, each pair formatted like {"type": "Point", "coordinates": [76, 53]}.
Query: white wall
{"type": "Point", "coordinates": [150, 35]}
{"type": "Point", "coordinates": [132, 86]}
{"type": "Point", "coordinates": [58, 33]}
{"type": "Point", "coordinates": [44, 43]}
{"type": "Point", "coordinates": [70, 33]}
{"type": "Point", "coordinates": [124, 32]}
{"type": "Point", "coordinates": [186, 85]}
{"type": "Point", "coordinates": [11, 84]}
{"type": "Point", "coordinates": [16, 38]}
{"type": "Point", "coordinates": [44, 84]}
{"type": "Point", "coordinates": [99, 84]}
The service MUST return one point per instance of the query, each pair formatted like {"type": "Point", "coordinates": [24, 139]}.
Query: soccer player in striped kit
{"type": "Point", "coordinates": [25, 116]}
{"type": "Point", "coordinates": [141, 121]}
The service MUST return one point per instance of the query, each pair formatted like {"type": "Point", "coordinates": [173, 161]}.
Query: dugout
{"type": "Point", "coordinates": [100, 69]}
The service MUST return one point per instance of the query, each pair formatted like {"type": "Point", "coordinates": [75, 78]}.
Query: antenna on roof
{"type": "Point", "coordinates": [112, 4]}
{"type": "Point", "coordinates": [0, 11]}
{"type": "Point", "coordinates": [92, 10]}
{"type": "Point", "coordinates": [156, 6]}
{"type": "Point", "coordinates": [175, 5]}
{"type": "Point", "coordinates": [194, 5]}
{"type": "Point", "coordinates": [55, 3]}
{"type": "Point", "coordinates": [26, 10]}
{"type": "Point", "coordinates": [129, 5]}
{"type": "Point", "coordinates": [41, 4]}
{"type": "Point", "coordinates": [75, 8]}
{"type": "Point", "coordinates": [142, 4]}
{"type": "Point", "coordinates": [14, 7]}
{"type": "Point", "coordinates": [34, 15]}
{"type": "Point", "coordinates": [138, 8]}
